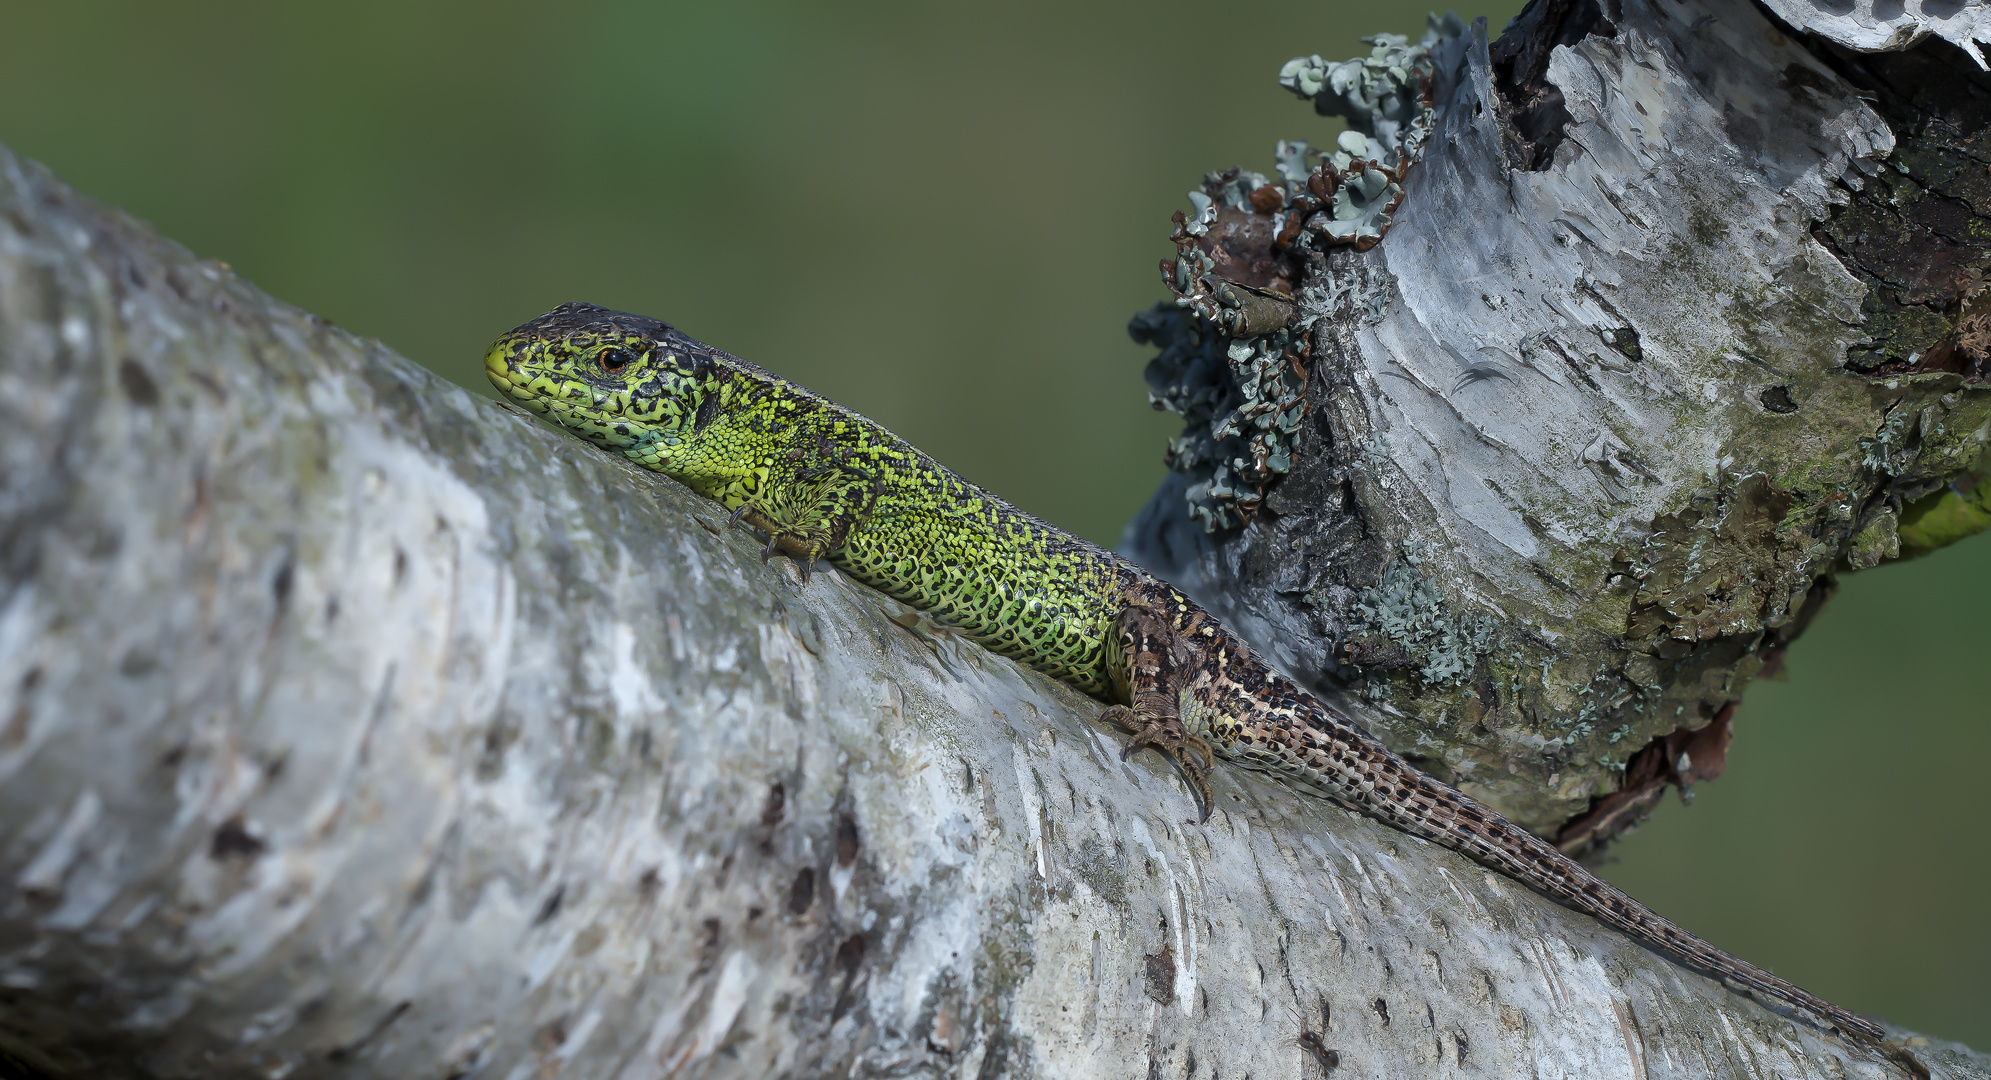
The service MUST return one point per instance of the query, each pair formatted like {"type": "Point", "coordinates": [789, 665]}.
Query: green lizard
{"type": "Point", "coordinates": [823, 482]}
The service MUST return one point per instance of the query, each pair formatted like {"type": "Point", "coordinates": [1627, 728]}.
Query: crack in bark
{"type": "Point", "coordinates": [1531, 106]}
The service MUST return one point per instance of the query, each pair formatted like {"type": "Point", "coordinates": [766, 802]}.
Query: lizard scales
{"type": "Point", "coordinates": [823, 482]}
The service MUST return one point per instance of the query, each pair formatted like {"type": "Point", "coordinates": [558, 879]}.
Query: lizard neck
{"type": "Point", "coordinates": [735, 428]}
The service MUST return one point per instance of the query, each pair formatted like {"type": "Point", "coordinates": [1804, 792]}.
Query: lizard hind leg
{"type": "Point", "coordinates": [1150, 662]}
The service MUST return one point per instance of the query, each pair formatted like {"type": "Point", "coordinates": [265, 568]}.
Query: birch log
{"type": "Point", "coordinates": [353, 725]}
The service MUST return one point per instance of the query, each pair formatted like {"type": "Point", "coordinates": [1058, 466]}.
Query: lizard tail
{"type": "Point", "coordinates": [1445, 816]}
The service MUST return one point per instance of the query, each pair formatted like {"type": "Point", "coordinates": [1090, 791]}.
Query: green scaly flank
{"type": "Point", "coordinates": [823, 482]}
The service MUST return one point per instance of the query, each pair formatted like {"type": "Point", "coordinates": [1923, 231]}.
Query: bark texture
{"type": "Point", "coordinates": [1884, 26]}
{"type": "Point", "coordinates": [357, 726]}
{"type": "Point", "coordinates": [1679, 316]}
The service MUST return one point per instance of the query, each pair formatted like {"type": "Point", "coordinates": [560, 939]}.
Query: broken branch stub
{"type": "Point", "coordinates": [1677, 316]}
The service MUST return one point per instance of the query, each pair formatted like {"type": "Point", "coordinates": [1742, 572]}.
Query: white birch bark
{"type": "Point", "coordinates": [1886, 25]}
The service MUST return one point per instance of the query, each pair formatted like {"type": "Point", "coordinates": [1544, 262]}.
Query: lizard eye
{"type": "Point", "coordinates": [614, 360]}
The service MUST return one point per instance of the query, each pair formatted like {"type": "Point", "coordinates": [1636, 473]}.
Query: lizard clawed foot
{"type": "Point", "coordinates": [1166, 734]}
{"type": "Point", "coordinates": [800, 546]}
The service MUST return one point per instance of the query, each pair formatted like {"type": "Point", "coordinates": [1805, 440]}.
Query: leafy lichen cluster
{"type": "Point", "coordinates": [1233, 344]}
{"type": "Point", "coordinates": [1406, 621]}
{"type": "Point", "coordinates": [1386, 99]}
{"type": "Point", "coordinates": [1243, 398]}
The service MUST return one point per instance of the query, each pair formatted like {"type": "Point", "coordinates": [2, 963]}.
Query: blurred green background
{"type": "Point", "coordinates": [942, 214]}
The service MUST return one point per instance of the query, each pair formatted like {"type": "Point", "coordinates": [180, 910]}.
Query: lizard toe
{"type": "Point", "coordinates": [1199, 782]}
{"type": "Point", "coordinates": [1190, 754]}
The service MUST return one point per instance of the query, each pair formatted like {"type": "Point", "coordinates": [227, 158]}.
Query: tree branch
{"type": "Point", "coordinates": [360, 726]}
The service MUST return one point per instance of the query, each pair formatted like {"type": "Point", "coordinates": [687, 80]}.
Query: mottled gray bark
{"type": "Point", "coordinates": [352, 725]}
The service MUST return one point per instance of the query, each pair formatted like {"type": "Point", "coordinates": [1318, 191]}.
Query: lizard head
{"type": "Point", "coordinates": [627, 383]}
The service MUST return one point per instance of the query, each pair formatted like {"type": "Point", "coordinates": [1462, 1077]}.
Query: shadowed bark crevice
{"type": "Point", "coordinates": [1912, 231]}
{"type": "Point", "coordinates": [1529, 103]}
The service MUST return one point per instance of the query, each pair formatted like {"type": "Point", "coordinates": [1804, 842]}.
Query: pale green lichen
{"type": "Point", "coordinates": [1386, 99]}
{"type": "Point", "coordinates": [1384, 96]}
{"type": "Point", "coordinates": [1410, 612]}
{"type": "Point", "coordinates": [1889, 450]}
{"type": "Point", "coordinates": [1362, 205]}
{"type": "Point", "coordinates": [1231, 188]}
{"type": "Point", "coordinates": [1242, 400]}
{"type": "Point", "coordinates": [1359, 289]}
{"type": "Point", "coordinates": [1879, 541]}
{"type": "Point", "coordinates": [1292, 159]}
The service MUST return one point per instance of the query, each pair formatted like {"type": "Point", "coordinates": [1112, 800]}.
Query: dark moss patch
{"type": "Point", "coordinates": [1915, 231]}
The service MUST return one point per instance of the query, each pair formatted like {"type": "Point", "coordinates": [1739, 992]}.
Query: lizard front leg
{"type": "Point", "coordinates": [1149, 663]}
{"type": "Point", "coordinates": [807, 497]}
{"type": "Point", "coordinates": [811, 514]}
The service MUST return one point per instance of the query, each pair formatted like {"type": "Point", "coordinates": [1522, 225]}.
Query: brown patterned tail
{"type": "Point", "coordinates": [1452, 819]}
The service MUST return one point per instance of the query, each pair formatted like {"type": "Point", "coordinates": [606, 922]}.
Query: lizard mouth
{"type": "Point", "coordinates": [566, 400]}
{"type": "Point", "coordinates": [508, 379]}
